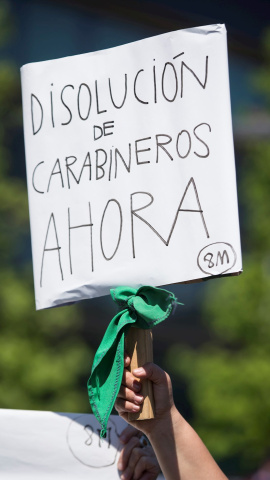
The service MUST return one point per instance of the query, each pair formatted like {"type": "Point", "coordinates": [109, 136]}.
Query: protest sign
{"type": "Point", "coordinates": [47, 445]}
{"type": "Point", "coordinates": [130, 166]}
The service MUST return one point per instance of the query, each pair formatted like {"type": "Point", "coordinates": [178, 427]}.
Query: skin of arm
{"type": "Point", "coordinates": [180, 452]}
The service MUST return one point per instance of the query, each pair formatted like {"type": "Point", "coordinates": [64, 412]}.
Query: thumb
{"type": "Point", "coordinates": [153, 372]}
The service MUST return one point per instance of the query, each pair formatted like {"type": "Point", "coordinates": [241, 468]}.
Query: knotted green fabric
{"type": "Point", "coordinates": [142, 308]}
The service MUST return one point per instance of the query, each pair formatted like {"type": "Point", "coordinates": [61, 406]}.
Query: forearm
{"type": "Point", "coordinates": [181, 453]}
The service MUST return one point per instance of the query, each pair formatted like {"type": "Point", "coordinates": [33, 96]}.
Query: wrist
{"type": "Point", "coordinates": [167, 423]}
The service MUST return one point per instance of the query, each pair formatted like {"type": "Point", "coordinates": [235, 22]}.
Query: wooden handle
{"type": "Point", "coordinates": [139, 345]}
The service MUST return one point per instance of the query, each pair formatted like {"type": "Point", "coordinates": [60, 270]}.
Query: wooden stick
{"type": "Point", "coordinates": [139, 345]}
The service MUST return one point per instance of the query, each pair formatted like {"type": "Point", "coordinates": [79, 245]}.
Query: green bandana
{"type": "Point", "coordinates": [142, 308]}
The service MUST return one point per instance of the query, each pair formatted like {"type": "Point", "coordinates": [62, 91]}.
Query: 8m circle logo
{"type": "Point", "coordinates": [216, 258]}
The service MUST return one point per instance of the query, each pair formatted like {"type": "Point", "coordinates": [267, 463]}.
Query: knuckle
{"type": "Point", "coordinates": [119, 405]}
{"type": "Point", "coordinates": [116, 405]}
{"type": "Point", "coordinates": [134, 442]}
{"type": "Point", "coordinates": [137, 453]}
{"type": "Point", "coordinates": [129, 394]}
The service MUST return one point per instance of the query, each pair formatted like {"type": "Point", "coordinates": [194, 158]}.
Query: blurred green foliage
{"type": "Point", "coordinates": [43, 356]}
{"type": "Point", "coordinates": [228, 378]}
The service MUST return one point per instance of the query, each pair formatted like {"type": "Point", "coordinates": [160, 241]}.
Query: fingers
{"type": "Point", "coordinates": [147, 466]}
{"type": "Point", "coordinates": [148, 476]}
{"type": "Point", "coordinates": [130, 396]}
{"type": "Point", "coordinates": [138, 463]}
{"type": "Point", "coordinates": [126, 360]}
{"type": "Point", "coordinates": [133, 455]}
{"type": "Point", "coordinates": [128, 400]}
{"type": "Point", "coordinates": [126, 452]}
{"type": "Point", "coordinates": [128, 433]}
{"type": "Point", "coordinates": [123, 406]}
{"type": "Point", "coordinates": [130, 382]}
{"type": "Point", "coordinates": [144, 462]}
{"type": "Point", "coordinates": [153, 373]}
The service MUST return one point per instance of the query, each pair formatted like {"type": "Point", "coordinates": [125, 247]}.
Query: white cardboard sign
{"type": "Point", "coordinates": [130, 166]}
{"type": "Point", "coordinates": [47, 445]}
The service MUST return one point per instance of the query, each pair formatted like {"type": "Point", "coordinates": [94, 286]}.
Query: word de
{"type": "Point", "coordinates": [100, 131]}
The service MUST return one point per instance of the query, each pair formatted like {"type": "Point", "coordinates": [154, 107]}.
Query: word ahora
{"type": "Point", "coordinates": [53, 243]}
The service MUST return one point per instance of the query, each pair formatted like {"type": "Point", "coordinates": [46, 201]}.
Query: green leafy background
{"type": "Point", "coordinates": [45, 357]}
